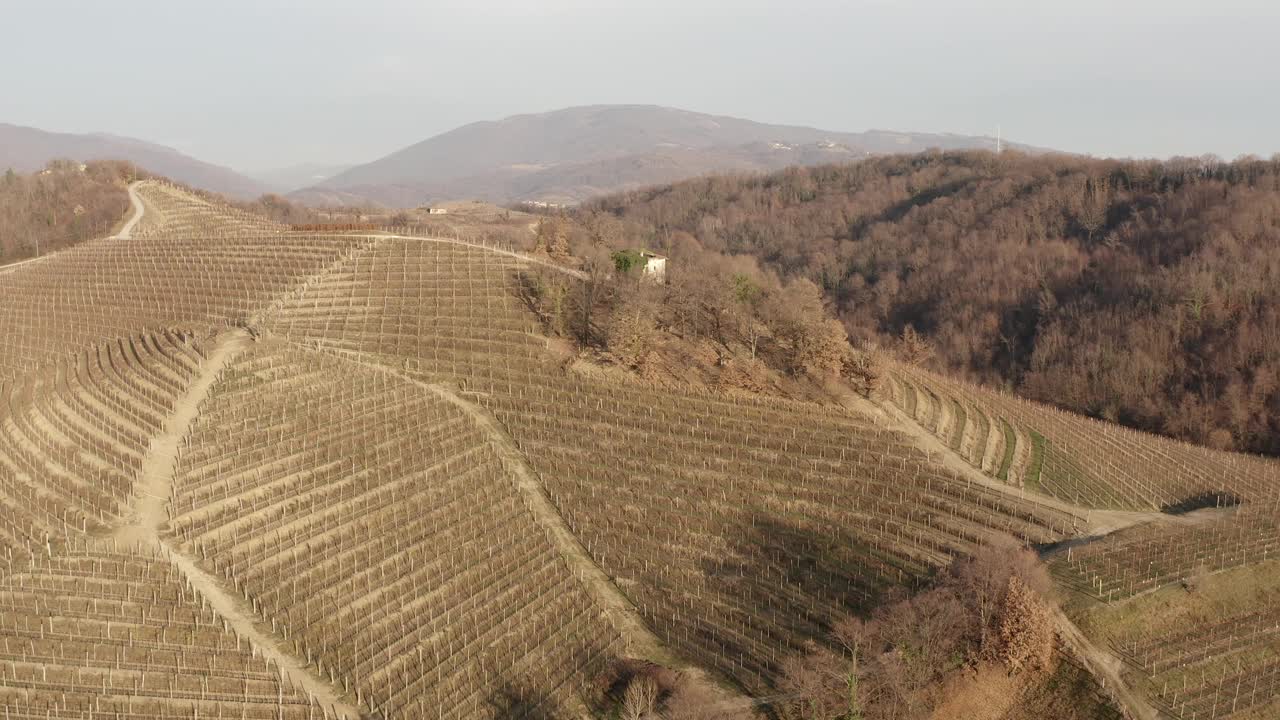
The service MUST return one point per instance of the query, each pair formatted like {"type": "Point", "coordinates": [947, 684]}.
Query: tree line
{"type": "Point", "coordinates": [61, 205]}
{"type": "Point", "coordinates": [1142, 292]}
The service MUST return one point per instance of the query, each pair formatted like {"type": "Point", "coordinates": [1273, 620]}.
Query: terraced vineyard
{"type": "Point", "coordinates": [250, 472]}
{"type": "Point", "coordinates": [738, 540]}
{"type": "Point", "coordinates": [1221, 511]}
{"type": "Point", "coordinates": [96, 632]}
{"type": "Point", "coordinates": [1076, 459]}
{"type": "Point", "coordinates": [1217, 670]}
{"type": "Point", "coordinates": [374, 526]}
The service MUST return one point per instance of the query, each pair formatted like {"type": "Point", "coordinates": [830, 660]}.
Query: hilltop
{"type": "Point", "coordinates": [26, 149]}
{"type": "Point", "coordinates": [569, 155]}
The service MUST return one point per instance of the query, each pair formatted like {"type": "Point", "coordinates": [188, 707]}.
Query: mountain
{"type": "Point", "coordinates": [27, 149]}
{"type": "Point", "coordinates": [569, 155]}
{"type": "Point", "coordinates": [295, 177]}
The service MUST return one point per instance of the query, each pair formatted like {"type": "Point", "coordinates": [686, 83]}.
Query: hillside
{"type": "Point", "coordinates": [60, 206]}
{"type": "Point", "coordinates": [1138, 292]}
{"type": "Point", "coordinates": [26, 149]}
{"type": "Point", "coordinates": [262, 473]}
{"type": "Point", "coordinates": [569, 155]}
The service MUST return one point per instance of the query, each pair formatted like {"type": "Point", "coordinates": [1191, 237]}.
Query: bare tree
{"type": "Point", "coordinates": [640, 699]}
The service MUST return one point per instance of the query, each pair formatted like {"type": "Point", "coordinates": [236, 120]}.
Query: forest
{"type": "Point", "coordinates": [1142, 292]}
{"type": "Point", "coordinates": [60, 206]}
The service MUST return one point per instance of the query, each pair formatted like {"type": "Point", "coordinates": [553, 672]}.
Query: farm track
{"type": "Point", "coordinates": [619, 610]}
{"type": "Point", "coordinates": [125, 232]}
{"type": "Point", "coordinates": [1105, 667]}
{"type": "Point", "coordinates": [150, 511]}
{"type": "Point", "coordinates": [1098, 523]}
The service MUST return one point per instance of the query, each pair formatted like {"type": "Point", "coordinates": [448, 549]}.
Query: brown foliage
{"type": "Point", "coordinates": [1139, 291]}
{"type": "Point", "coordinates": [60, 206]}
{"type": "Point", "coordinates": [987, 609]}
{"type": "Point", "coordinates": [640, 700]}
{"type": "Point", "coordinates": [726, 301]}
{"type": "Point", "coordinates": [914, 348]}
{"type": "Point", "coordinates": [277, 208]}
{"type": "Point", "coordinates": [552, 237]}
{"type": "Point", "coordinates": [632, 325]}
{"type": "Point", "coordinates": [810, 340]}
{"type": "Point", "coordinates": [693, 700]}
{"type": "Point", "coordinates": [1026, 629]}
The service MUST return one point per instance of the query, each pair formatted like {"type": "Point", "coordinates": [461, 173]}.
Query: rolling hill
{"type": "Point", "coordinates": [1139, 291]}
{"type": "Point", "coordinates": [569, 155]}
{"type": "Point", "coordinates": [266, 473]}
{"type": "Point", "coordinates": [27, 149]}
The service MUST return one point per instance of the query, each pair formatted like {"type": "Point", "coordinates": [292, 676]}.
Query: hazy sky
{"type": "Point", "coordinates": [257, 84]}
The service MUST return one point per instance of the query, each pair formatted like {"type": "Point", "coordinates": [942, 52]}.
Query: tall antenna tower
{"type": "Point", "coordinates": [999, 146]}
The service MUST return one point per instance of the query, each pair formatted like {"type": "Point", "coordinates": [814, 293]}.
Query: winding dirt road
{"type": "Point", "coordinates": [126, 231]}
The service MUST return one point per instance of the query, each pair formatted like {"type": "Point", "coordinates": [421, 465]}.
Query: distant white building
{"type": "Point", "coordinates": [437, 211]}
{"type": "Point", "coordinates": [655, 266]}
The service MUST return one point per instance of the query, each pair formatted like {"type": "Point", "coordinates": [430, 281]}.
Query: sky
{"type": "Point", "coordinates": [261, 84]}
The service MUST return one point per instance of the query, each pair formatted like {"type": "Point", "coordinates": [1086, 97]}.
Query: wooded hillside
{"type": "Point", "coordinates": [1139, 291]}
{"type": "Point", "coordinates": [60, 206]}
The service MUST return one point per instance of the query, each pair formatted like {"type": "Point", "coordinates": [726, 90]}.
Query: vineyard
{"type": "Point", "coordinates": [1073, 458]}
{"type": "Point", "coordinates": [96, 632]}
{"type": "Point", "coordinates": [739, 527]}
{"type": "Point", "coordinates": [373, 525]}
{"type": "Point", "coordinates": [249, 470]}
{"type": "Point", "coordinates": [1227, 667]}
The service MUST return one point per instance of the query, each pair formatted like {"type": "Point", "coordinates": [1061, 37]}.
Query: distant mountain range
{"type": "Point", "coordinates": [564, 157]}
{"type": "Point", "coordinates": [569, 155]}
{"type": "Point", "coordinates": [27, 149]}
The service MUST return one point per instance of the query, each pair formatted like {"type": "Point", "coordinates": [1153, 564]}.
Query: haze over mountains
{"type": "Point", "coordinates": [26, 149]}
{"type": "Point", "coordinates": [294, 177]}
{"type": "Point", "coordinates": [563, 157]}
{"type": "Point", "coordinates": [569, 155]}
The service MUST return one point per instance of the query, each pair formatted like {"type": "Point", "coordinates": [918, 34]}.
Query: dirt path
{"type": "Point", "coordinates": [1104, 667]}
{"type": "Point", "coordinates": [1096, 522]}
{"type": "Point", "coordinates": [126, 232]}
{"type": "Point", "coordinates": [640, 641]}
{"type": "Point", "coordinates": [239, 615]}
{"type": "Point", "coordinates": [299, 288]}
{"type": "Point", "coordinates": [151, 496]}
{"type": "Point", "coordinates": [149, 512]}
